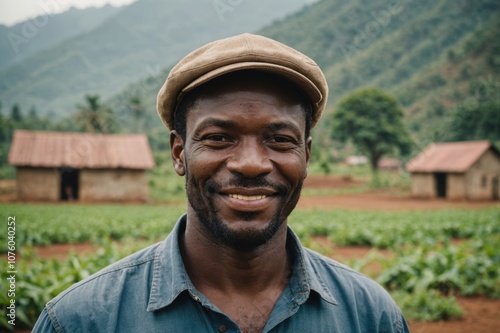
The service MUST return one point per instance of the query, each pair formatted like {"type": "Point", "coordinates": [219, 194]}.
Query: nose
{"type": "Point", "coordinates": [250, 159]}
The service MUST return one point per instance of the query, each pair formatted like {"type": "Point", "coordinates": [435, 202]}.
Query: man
{"type": "Point", "coordinates": [240, 111]}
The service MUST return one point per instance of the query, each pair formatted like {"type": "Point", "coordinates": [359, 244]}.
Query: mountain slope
{"type": "Point", "coordinates": [432, 56]}
{"type": "Point", "coordinates": [363, 42]}
{"type": "Point", "coordinates": [401, 49]}
{"type": "Point", "coordinates": [136, 42]}
{"type": "Point", "coordinates": [26, 38]}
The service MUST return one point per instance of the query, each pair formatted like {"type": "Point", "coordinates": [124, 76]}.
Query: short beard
{"type": "Point", "coordinates": [221, 233]}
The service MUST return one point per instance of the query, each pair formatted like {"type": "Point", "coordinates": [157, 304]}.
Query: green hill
{"type": "Point", "coordinates": [431, 55]}
{"type": "Point", "coordinates": [137, 42]}
{"type": "Point", "coordinates": [414, 49]}
{"type": "Point", "coordinates": [28, 37]}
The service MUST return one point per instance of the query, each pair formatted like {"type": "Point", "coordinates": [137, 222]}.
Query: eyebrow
{"type": "Point", "coordinates": [215, 122]}
{"type": "Point", "coordinates": [230, 124]}
{"type": "Point", "coordinates": [281, 125]}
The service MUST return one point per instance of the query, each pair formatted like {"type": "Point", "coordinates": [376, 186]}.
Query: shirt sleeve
{"type": "Point", "coordinates": [44, 324]}
{"type": "Point", "coordinates": [404, 325]}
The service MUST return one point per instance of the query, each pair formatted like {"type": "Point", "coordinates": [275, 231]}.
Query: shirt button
{"type": "Point", "coordinates": [222, 328]}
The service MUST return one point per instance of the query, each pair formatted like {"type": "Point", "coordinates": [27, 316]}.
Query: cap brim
{"type": "Point", "coordinates": [300, 80]}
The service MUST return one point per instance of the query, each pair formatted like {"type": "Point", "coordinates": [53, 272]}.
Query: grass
{"type": "Point", "coordinates": [164, 184]}
{"type": "Point", "coordinates": [47, 224]}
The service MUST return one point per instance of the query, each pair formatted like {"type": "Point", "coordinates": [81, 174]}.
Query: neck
{"type": "Point", "coordinates": [213, 266]}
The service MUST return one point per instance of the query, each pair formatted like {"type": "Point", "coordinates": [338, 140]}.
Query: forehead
{"type": "Point", "coordinates": [246, 111]}
{"type": "Point", "coordinates": [249, 94]}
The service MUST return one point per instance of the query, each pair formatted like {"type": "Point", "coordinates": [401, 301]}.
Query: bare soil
{"type": "Point", "coordinates": [386, 199]}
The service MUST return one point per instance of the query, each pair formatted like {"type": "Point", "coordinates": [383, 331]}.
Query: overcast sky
{"type": "Point", "coordinates": [14, 11]}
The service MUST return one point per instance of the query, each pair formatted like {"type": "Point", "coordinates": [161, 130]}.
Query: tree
{"type": "Point", "coordinates": [3, 126]}
{"type": "Point", "coordinates": [33, 115]}
{"type": "Point", "coordinates": [477, 121]}
{"type": "Point", "coordinates": [15, 113]}
{"type": "Point", "coordinates": [136, 108]}
{"type": "Point", "coordinates": [95, 117]}
{"type": "Point", "coordinates": [373, 121]}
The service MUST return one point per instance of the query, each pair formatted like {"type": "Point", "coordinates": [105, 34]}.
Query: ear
{"type": "Point", "coordinates": [177, 152]}
{"type": "Point", "coordinates": [308, 153]}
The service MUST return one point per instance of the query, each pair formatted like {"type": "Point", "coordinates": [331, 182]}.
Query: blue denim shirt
{"type": "Point", "coordinates": [150, 291]}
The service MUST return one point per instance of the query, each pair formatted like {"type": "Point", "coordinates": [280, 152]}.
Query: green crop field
{"type": "Point", "coordinates": [438, 255]}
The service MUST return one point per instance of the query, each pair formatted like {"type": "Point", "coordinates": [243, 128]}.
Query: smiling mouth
{"type": "Point", "coordinates": [247, 197]}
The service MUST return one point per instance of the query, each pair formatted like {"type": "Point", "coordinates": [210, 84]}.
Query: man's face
{"type": "Point", "coordinates": [245, 158]}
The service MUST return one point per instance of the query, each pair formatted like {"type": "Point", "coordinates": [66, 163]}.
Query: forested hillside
{"type": "Point", "coordinates": [26, 38]}
{"type": "Point", "coordinates": [139, 41]}
{"type": "Point", "coordinates": [434, 57]}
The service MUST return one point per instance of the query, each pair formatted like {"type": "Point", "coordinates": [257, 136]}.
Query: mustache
{"type": "Point", "coordinates": [213, 187]}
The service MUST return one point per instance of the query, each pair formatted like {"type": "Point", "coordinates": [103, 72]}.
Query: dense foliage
{"type": "Point", "coordinates": [476, 121]}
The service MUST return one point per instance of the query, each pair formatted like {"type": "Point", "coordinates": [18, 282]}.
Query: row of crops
{"type": "Point", "coordinates": [438, 255]}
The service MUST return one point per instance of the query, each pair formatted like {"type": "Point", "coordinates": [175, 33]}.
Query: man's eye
{"type": "Point", "coordinates": [281, 139]}
{"type": "Point", "coordinates": [217, 137]}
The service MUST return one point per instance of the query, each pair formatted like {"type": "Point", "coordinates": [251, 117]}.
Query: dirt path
{"type": "Point", "coordinates": [385, 199]}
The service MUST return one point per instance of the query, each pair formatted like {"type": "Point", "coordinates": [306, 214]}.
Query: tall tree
{"type": "Point", "coordinates": [135, 107]}
{"type": "Point", "coordinates": [3, 125]}
{"type": "Point", "coordinates": [95, 117]}
{"type": "Point", "coordinates": [15, 113]}
{"type": "Point", "coordinates": [373, 121]}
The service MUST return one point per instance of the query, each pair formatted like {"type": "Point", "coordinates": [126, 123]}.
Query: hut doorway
{"type": "Point", "coordinates": [69, 184]}
{"type": "Point", "coordinates": [440, 184]}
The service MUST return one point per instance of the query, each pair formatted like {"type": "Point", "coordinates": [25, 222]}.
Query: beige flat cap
{"type": "Point", "coordinates": [246, 51]}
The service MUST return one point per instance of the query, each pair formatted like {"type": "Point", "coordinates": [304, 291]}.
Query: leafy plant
{"type": "Point", "coordinates": [427, 305]}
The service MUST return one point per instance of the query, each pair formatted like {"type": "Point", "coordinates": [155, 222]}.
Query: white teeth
{"type": "Point", "coordinates": [247, 197]}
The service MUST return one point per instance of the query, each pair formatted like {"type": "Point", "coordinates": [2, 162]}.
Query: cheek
{"type": "Point", "coordinates": [294, 169]}
{"type": "Point", "coordinates": [202, 165]}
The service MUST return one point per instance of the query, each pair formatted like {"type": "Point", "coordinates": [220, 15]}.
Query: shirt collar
{"type": "Point", "coordinates": [305, 274]}
{"type": "Point", "coordinates": [170, 278]}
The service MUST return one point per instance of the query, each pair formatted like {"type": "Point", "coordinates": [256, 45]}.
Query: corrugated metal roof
{"type": "Point", "coordinates": [80, 150]}
{"type": "Point", "coordinates": [448, 156]}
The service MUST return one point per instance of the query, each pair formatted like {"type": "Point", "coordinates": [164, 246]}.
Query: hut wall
{"type": "Point", "coordinates": [113, 185]}
{"type": "Point", "coordinates": [481, 176]}
{"type": "Point", "coordinates": [37, 184]}
{"type": "Point", "coordinates": [423, 185]}
{"type": "Point", "coordinates": [455, 186]}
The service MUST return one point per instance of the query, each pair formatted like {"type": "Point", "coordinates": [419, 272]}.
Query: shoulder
{"type": "Point", "coordinates": [356, 295]}
{"type": "Point", "coordinates": [111, 275]}
{"type": "Point", "coordinates": [104, 290]}
{"type": "Point", "coordinates": [349, 285]}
